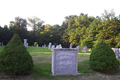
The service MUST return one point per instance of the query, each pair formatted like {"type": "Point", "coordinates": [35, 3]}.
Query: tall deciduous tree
{"type": "Point", "coordinates": [36, 24]}
{"type": "Point", "coordinates": [19, 26]}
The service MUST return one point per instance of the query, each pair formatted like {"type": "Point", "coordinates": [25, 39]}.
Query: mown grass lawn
{"type": "Point", "coordinates": [42, 68]}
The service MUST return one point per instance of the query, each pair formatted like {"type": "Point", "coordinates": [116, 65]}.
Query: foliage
{"type": "Point", "coordinates": [103, 58]}
{"type": "Point", "coordinates": [35, 43]}
{"type": "Point", "coordinates": [80, 30]}
{"type": "Point", "coordinates": [15, 59]}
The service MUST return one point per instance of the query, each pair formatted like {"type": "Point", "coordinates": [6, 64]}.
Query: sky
{"type": "Point", "coordinates": [53, 11]}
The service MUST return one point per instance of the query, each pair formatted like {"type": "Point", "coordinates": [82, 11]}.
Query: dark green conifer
{"type": "Point", "coordinates": [15, 59]}
{"type": "Point", "coordinates": [103, 58]}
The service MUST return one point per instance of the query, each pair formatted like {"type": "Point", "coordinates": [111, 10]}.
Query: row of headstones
{"type": "Point", "coordinates": [26, 44]}
{"type": "Point", "coordinates": [1, 44]}
{"type": "Point", "coordinates": [50, 46]}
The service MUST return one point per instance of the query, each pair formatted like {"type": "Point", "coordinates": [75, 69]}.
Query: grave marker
{"type": "Point", "coordinates": [84, 49]}
{"type": "Point", "coordinates": [78, 48]}
{"type": "Point", "coordinates": [116, 50]}
{"type": "Point", "coordinates": [71, 45]}
{"type": "Point", "coordinates": [50, 45]}
{"type": "Point", "coordinates": [25, 43]}
{"type": "Point", "coordinates": [64, 61]}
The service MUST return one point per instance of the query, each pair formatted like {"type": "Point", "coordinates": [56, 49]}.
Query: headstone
{"type": "Point", "coordinates": [2, 44]}
{"type": "Point", "coordinates": [71, 45]}
{"type": "Point", "coordinates": [119, 50]}
{"type": "Point", "coordinates": [37, 45]}
{"type": "Point", "coordinates": [60, 46]}
{"type": "Point", "coordinates": [44, 45]}
{"type": "Point", "coordinates": [53, 47]}
{"type": "Point", "coordinates": [25, 43]}
{"type": "Point", "coordinates": [78, 48]}
{"type": "Point", "coordinates": [64, 61]}
{"type": "Point", "coordinates": [84, 49]}
{"type": "Point", "coordinates": [50, 45]}
{"type": "Point", "coordinates": [116, 50]}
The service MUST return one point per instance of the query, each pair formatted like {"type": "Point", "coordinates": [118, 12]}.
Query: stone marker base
{"type": "Point", "coordinates": [74, 74]}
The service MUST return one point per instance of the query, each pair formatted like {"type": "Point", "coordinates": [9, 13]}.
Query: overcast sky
{"type": "Point", "coordinates": [53, 11]}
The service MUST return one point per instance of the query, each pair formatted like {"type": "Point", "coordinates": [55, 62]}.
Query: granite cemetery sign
{"type": "Point", "coordinates": [64, 61]}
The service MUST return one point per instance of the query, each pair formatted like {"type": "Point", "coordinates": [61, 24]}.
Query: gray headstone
{"type": "Point", "coordinates": [37, 45]}
{"type": "Point", "coordinates": [64, 61]}
{"type": "Point", "coordinates": [78, 48]}
{"type": "Point", "coordinates": [58, 46]}
{"type": "Point", "coordinates": [53, 47]}
{"type": "Point", "coordinates": [50, 45]}
{"type": "Point", "coordinates": [71, 45]}
{"type": "Point", "coordinates": [25, 43]}
{"type": "Point", "coordinates": [84, 49]}
{"type": "Point", "coordinates": [116, 50]}
{"type": "Point", "coordinates": [2, 44]}
{"type": "Point", "coordinates": [44, 46]}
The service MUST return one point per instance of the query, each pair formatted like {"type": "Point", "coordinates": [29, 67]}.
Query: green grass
{"type": "Point", "coordinates": [42, 59]}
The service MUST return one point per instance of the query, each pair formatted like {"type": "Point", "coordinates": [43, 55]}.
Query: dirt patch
{"type": "Point", "coordinates": [4, 76]}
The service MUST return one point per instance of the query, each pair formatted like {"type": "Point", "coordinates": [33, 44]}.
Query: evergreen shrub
{"type": "Point", "coordinates": [15, 59]}
{"type": "Point", "coordinates": [103, 58]}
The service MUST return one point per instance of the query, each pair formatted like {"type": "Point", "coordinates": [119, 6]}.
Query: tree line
{"type": "Point", "coordinates": [82, 30]}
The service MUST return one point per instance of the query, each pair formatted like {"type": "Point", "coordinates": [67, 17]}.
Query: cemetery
{"type": "Point", "coordinates": [53, 62]}
{"type": "Point", "coordinates": [81, 48]}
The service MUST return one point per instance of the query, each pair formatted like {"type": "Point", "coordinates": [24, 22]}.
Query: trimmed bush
{"type": "Point", "coordinates": [103, 58]}
{"type": "Point", "coordinates": [15, 59]}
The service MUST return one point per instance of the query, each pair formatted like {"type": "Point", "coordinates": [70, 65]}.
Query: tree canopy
{"type": "Point", "coordinates": [82, 30]}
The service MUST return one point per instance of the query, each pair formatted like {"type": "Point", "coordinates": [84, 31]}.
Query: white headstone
{"type": "Point", "coordinates": [64, 61]}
